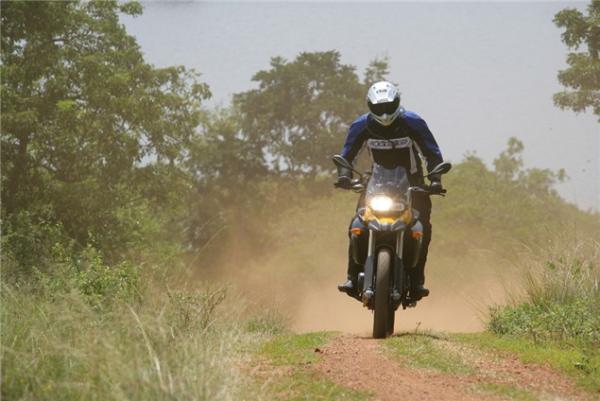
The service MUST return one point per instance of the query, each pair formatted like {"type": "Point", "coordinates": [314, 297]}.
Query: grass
{"type": "Point", "coordinates": [562, 298]}
{"type": "Point", "coordinates": [557, 319]}
{"type": "Point", "coordinates": [175, 346]}
{"type": "Point", "coordinates": [308, 386]}
{"type": "Point", "coordinates": [583, 364]}
{"type": "Point", "coordinates": [506, 391]}
{"type": "Point", "coordinates": [424, 351]}
{"type": "Point", "coordinates": [295, 349]}
{"type": "Point", "coordinates": [295, 352]}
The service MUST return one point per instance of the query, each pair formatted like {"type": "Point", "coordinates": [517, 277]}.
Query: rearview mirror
{"type": "Point", "coordinates": [441, 168]}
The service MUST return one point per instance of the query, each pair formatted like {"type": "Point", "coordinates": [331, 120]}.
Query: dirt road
{"type": "Point", "coordinates": [450, 370]}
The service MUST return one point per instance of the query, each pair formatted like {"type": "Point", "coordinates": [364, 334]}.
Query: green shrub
{"type": "Point", "coordinates": [577, 321]}
{"type": "Point", "coordinates": [31, 243]}
{"type": "Point", "coordinates": [86, 274]}
{"type": "Point", "coordinates": [562, 300]}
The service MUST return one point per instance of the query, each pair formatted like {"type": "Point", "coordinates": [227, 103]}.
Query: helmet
{"type": "Point", "coordinates": [383, 99]}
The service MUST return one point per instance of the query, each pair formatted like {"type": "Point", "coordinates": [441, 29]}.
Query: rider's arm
{"type": "Point", "coordinates": [355, 139]}
{"type": "Point", "coordinates": [424, 138]}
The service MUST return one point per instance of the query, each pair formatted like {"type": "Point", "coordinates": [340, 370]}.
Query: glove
{"type": "Point", "coordinates": [436, 187]}
{"type": "Point", "coordinates": [343, 182]}
{"type": "Point", "coordinates": [344, 179]}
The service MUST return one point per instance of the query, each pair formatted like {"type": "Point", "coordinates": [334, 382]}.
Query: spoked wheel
{"type": "Point", "coordinates": [383, 317]}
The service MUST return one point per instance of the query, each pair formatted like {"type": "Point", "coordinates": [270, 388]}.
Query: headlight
{"type": "Point", "coordinates": [382, 203]}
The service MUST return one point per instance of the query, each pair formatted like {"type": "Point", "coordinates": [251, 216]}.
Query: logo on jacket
{"type": "Point", "coordinates": [384, 144]}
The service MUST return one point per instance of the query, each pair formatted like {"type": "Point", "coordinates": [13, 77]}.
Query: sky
{"type": "Point", "coordinates": [478, 73]}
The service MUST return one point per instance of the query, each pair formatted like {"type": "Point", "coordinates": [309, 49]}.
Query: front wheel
{"type": "Point", "coordinates": [383, 317]}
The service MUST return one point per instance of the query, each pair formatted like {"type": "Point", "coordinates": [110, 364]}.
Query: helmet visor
{"type": "Point", "coordinates": [384, 108]}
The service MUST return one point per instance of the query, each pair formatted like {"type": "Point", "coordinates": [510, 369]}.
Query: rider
{"type": "Point", "coordinates": [393, 136]}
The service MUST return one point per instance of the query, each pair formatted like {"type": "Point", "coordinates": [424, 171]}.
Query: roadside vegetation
{"type": "Point", "coordinates": [100, 333]}
{"type": "Point", "coordinates": [557, 319]}
{"type": "Point", "coordinates": [123, 197]}
{"type": "Point", "coordinates": [292, 355]}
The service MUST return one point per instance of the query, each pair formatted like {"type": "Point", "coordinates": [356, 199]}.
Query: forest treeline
{"type": "Point", "coordinates": [101, 149]}
{"type": "Point", "coordinates": [116, 178]}
{"type": "Point", "coordinates": [103, 153]}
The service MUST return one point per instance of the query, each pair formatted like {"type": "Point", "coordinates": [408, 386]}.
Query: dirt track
{"type": "Point", "coordinates": [364, 364]}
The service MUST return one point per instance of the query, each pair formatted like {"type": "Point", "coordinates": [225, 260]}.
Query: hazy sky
{"type": "Point", "coordinates": [478, 73]}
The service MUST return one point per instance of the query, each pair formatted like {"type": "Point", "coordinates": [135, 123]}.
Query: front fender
{"type": "Point", "coordinates": [377, 225]}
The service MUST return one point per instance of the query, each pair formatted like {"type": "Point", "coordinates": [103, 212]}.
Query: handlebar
{"type": "Point", "coordinates": [357, 185]}
{"type": "Point", "coordinates": [427, 189]}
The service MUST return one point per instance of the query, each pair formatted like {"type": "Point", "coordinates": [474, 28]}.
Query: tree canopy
{"type": "Point", "coordinates": [87, 124]}
{"type": "Point", "coordinates": [582, 77]}
{"type": "Point", "coordinates": [302, 108]}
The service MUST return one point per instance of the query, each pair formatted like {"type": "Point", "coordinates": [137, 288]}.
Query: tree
{"type": "Point", "coordinates": [301, 109]}
{"type": "Point", "coordinates": [228, 168]}
{"type": "Point", "coordinates": [509, 163]}
{"type": "Point", "coordinates": [87, 124]}
{"type": "Point", "coordinates": [583, 75]}
{"type": "Point", "coordinates": [509, 168]}
{"type": "Point", "coordinates": [377, 70]}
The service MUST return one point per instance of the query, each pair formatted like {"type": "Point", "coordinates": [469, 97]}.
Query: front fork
{"type": "Point", "coordinates": [369, 270]}
{"type": "Point", "coordinates": [398, 269]}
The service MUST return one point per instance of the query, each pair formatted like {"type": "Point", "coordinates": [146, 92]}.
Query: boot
{"type": "Point", "coordinates": [348, 287]}
{"type": "Point", "coordinates": [418, 292]}
{"type": "Point", "coordinates": [417, 289]}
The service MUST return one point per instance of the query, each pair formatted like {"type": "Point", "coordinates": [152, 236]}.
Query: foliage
{"type": "Point", "coordinates": [301, 109]}
{"type": "Point", "coordinates": [85, 272]}
{"type": "Point", "coordinates": [555, 322]}
{"type": "Point", "coordinates": [62, 348]}
{"type": "Point", "coordinates": [193, 312]}
{"type": "Point", "coordinates": [562, 302]}
{"type": "Point", "coordinates": [582, 363]}
{"type": "Point", "coordinates": [583, 75]}
{"type": "Point", "coordinates": [227, 168]}
{"type": "Point", "coordinates": [377, 70]}
{"type": "Point", "coordinates": [509, 205]}
{"type": "Point", "coordinates": [86, 122]}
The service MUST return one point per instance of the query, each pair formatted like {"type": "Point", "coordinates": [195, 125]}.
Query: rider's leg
{"type": "Point", "coordinates": [356, 254]}
{"type": "Point", "coordinates": [422, 203]}
{"type": "Point", "coordinates": [350, 285]}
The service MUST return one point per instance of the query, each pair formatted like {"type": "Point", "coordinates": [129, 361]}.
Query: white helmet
{"type": "Point", "coordinates": [383, 99]}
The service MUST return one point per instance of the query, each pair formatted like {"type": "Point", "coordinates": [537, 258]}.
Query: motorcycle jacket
{"type": "Point", "coordinates": [395, 145]}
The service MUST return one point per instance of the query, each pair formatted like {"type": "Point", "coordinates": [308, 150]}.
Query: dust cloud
{"type": "Point", "coordinates": [298, 274]}
{"type": "Point", "coordinates": [453, 305]}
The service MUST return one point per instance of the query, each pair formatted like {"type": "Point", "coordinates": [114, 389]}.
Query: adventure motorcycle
{"type": "Point", "coordinates": [394, 239]}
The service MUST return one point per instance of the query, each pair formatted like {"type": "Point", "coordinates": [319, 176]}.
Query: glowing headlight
{"type": "Point", "coordinates": [382, 203]}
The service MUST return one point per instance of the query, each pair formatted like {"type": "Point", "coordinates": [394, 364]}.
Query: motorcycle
{"type": "Point", "coordinates": [394, 239]}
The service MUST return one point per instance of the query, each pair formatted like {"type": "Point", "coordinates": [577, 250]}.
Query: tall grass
{"type": "Point", "coordinates": [160, 345]}
{"type": "Point", "coordinates": [561, 300]}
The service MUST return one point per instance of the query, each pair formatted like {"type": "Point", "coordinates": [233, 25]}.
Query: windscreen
{"type": "Point", "coordinates": [385, 181]}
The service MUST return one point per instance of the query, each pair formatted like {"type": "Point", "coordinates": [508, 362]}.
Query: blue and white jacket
{"type": "Point", "coordinates": [394, 145]}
